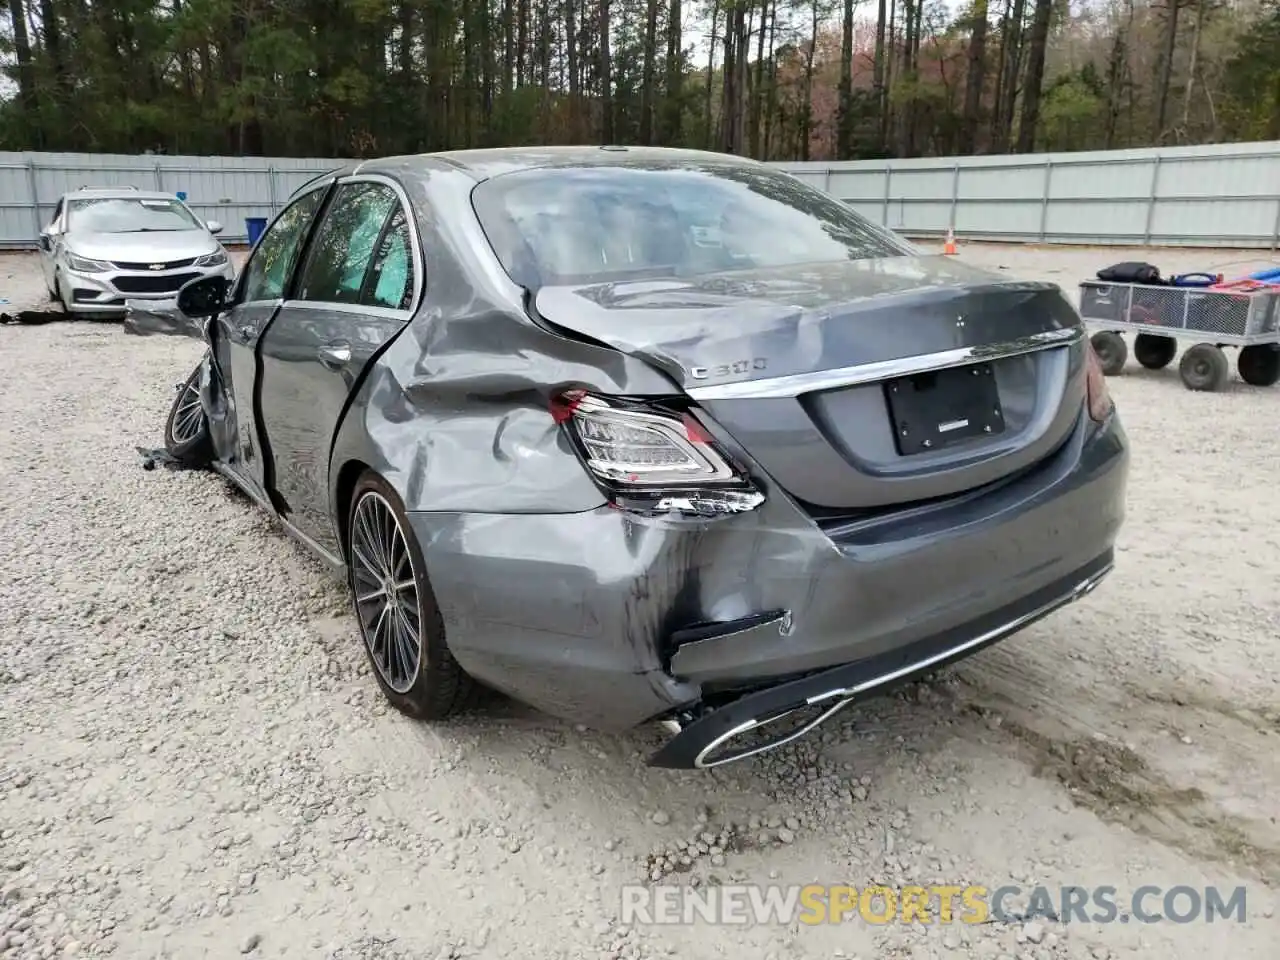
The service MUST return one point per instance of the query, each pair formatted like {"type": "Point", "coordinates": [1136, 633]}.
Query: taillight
{"type": "Point", "coordinates": [653, 459]}
{"type": "Point", "coordinates": [1100, 403]}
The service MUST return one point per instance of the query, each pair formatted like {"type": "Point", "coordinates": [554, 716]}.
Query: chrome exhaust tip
{"type": "Point", "coordinates": [1086, 587]}
{"type": "Point", "coordinates": [808, 717]}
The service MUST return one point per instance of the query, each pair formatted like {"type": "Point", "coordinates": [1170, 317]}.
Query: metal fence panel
{"type": "Point", "coordinates": [1227, 195]}
{"type": "Point", "coordinates": [1224, 195]}
{"type": "Point", "coordinates": [226, 189]}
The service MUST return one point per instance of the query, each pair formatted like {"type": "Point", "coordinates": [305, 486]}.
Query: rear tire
{"type": "Point", "coordinates": [1112, 351]}
{"type": "Point", "coordinates": [1259, 364]}
{"type": "Point", "coordinates": [1154, 352]}
{"type": "Point", "coordinates": [395, 607]}
{"type": "Point", "coordinates": [186, 432]}
{"type": "Point", "coordinates": [1204, 368]}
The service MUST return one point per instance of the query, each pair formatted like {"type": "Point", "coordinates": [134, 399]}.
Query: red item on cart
{"type": "Point", "coordinates": [1244, 286]}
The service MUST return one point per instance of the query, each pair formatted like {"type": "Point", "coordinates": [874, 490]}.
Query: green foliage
{"type": "Point", "coordinates": [1253, 80]}
{"type": "Point", "coordinates": [359, 77]}
{"type": "Point", "coordinates": [1071, 114]}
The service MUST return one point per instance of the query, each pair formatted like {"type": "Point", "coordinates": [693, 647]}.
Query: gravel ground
{"type": "Point", "coordinates": [195, 763]}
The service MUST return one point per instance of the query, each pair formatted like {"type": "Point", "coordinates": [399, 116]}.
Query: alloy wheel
{"type": "Point", "coordinates": [386, 593]}
{"type": "Point", "coordinates": [188, 417]}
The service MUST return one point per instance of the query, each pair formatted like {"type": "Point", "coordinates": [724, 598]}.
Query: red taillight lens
{"type": "Point", "coordinates": [638, 445]}
{"type": "Point", "coordinates": [653, 460]}
{"type": "Point", "coordinates": [564, 404]}
{"type": "Point", "coordinates": [1100, 403]}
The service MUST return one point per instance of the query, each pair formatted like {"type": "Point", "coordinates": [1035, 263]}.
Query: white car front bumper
{"type": "Point", "coordinates": [105, 292]}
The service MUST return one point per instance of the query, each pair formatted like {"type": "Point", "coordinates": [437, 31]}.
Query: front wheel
{"type": "Point", "coordinates": [396, 610]}
{"type": "Point", "coordinates": [186, 432]}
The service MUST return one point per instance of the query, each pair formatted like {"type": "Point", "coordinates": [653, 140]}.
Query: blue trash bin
{"type": "Point", "coordinates": [253, 227]}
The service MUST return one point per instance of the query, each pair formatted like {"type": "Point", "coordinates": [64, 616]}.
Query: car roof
{"type": "Point", "coordinates": [116, 193]}
{"type": "Point", "coordinates": [481, 164]}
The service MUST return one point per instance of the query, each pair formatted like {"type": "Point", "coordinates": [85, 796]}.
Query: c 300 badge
{"type": "Point", "coordinates": [735, 369]}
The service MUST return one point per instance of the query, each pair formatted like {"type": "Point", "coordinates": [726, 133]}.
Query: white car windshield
{"type": "Point", "coordinates": [129, 215]}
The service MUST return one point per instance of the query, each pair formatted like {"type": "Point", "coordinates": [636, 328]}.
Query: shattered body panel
{"type": "Point", "coordinates": [558, 590]}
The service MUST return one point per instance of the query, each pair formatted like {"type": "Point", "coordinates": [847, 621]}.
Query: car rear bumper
{"type": "Point", "coordinates": [715, 737]}
{"type": "Point", "coordinates": [611, 620]}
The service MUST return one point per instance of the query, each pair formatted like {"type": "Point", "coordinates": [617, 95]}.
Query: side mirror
{"type": "Point", "coordinates": [46, 240]}
{"type": "Point", "coordinates": [204, 296]}
{"type": "Point", "coordinates": [214, 226]}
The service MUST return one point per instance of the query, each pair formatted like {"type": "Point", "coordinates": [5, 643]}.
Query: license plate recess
{"type": "Point", "coordinates": [939, 409]}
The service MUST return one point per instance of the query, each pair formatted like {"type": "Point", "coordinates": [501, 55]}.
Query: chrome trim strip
{"type": "Point", "coordinates": [847, 695]}
{"type": "Point", "coordinates": [795, 384]}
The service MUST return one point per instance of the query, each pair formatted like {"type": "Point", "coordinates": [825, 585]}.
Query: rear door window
{"type": "Point", "coordinates": [590, 224]}
{"type": "Point", "coordinates": [344, 244]}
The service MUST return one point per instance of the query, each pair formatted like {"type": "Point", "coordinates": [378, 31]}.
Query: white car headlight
{"type": "Point", "coordinates": [216, 259]}
{"type": "Point", "coordinates": [85, 265]}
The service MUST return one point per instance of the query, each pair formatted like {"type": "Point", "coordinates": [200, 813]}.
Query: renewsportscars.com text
{"type": "Point", "coordinates": [939, 903]}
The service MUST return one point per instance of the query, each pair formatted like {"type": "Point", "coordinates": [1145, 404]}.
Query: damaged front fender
{"type": "Point", "coordinates": [148, 318]}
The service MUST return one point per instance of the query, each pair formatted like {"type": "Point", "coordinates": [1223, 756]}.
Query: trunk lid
{"type": "Point", "coordinates": [859, 384]}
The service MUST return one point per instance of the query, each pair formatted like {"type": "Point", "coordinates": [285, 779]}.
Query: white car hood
{"type": "Point", "coordinates": [156, 247]}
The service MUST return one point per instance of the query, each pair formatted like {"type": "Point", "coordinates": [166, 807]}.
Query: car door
{"type": "Point", "coordinates": [355, 292]}
{"type": "Point", "coordinates": [235, 334]}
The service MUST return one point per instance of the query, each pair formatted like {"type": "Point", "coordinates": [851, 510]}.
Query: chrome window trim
{"type": "Point", "coordinates": [793, 385]}
{"type": "Point", "coordinates": [358, 309]}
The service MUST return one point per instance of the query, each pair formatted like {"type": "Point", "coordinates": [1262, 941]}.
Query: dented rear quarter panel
{"type": "Point", "coordinates": [456, 412]}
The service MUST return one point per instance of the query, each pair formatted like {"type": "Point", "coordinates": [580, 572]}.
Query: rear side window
{"type": "Point", "coordinates": [574, 225]}
{"type": "Point", "coordinates": [344, 245]}
{"type": "Point", "coordinates": [390, 283]}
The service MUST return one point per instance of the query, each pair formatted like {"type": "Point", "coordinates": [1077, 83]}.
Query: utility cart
{"type": "Point", "coordinates": [1245, 314]}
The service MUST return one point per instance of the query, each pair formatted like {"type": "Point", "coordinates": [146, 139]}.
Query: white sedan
{"type": "Point", "coordinates": [104, 246]}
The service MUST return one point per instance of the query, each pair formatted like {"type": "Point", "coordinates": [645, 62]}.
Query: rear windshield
{"type": "Point", "coordinates": [577, 225]}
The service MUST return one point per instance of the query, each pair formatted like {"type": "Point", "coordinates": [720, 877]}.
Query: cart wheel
{"type": "Point", "coordinates": [1112, 351]}
{"type": "Point", "coordinates": [1259, 365]}
{"type": "Point", "coordinates": [1204, 367]}
{"type": "Point", "coordinates": [1154, 352]}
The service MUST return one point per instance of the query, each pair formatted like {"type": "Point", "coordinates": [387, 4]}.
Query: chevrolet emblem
{"type": "Point", "coordinates": [157, 266]}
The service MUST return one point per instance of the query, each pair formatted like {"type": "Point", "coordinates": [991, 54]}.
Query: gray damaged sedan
{"type": "Point", "coordinates": [650, 435]}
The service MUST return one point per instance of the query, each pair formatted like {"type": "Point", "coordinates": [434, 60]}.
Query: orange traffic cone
{"type": "Point", "coordinates": [949, 248]}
